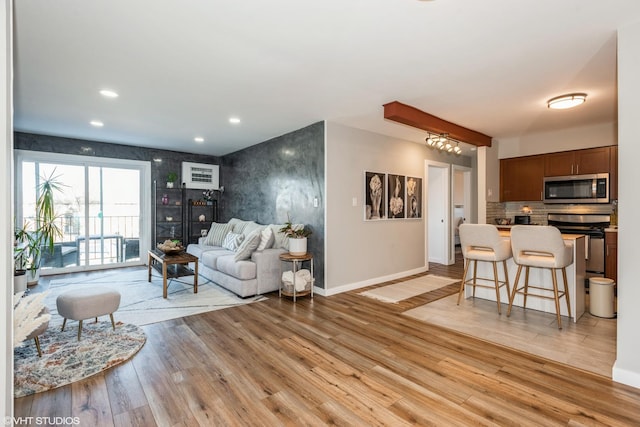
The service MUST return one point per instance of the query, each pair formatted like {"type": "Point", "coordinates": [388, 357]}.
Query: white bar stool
{"type": "Point", "coordinates": [482, 242]}
{"type": "Point", "coordinates": [540, 247]}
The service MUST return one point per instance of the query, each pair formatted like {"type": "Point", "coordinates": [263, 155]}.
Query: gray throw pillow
{"type": "Point", "coordinates": [217, 233]}
{"type": "Point", "coordinates": [232, 241]}
{"type": "Point", "coordinates": [248, 246]}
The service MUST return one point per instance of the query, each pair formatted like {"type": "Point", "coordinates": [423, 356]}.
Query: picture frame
{"type": "Point", "coordinates": [374, 196]}
{"type": "Point", "coordinates": [413, 197]}
{"type": "Point", "coordinates": [396, 197]}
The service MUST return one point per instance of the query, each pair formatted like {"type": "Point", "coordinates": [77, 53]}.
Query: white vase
{"type": "Point", "coordinates": [298, 246]}
{"type": "Point", "coordinates": [33, 277]}
{"type": "Point", "coordinates": [19, 282]}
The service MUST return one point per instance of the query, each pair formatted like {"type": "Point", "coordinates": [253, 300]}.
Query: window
{"type": "Point", "coordinates": [103, 208]}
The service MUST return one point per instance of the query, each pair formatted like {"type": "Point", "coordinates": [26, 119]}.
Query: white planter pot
{"type": "Point", "coordinates": [19, 283]}
{"type": "Point", "coordinates": [169, 184]}
{"type": "Point", "coordinates": [33, 277]}
{"type": "Point", "coordinates": [298, 247]}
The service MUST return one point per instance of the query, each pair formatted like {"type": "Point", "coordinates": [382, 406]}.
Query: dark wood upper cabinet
{"type": "Point", "coordinates": [578, 162]}
{"type": "Point", "coordinates": [521, 178]}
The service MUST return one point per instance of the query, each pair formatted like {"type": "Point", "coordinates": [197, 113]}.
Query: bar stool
{"type": "Point", "coordinates": [482, 242]}
{"type": "Point", "coordinates": [540, 247]}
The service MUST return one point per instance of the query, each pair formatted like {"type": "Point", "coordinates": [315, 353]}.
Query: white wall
{"type": "Point", "coordinates": [6, 224]}
{"type": "Point", "coordinates": [361, 252]}
{"type": "Point", "coordinates": [627, 366]}
{"type": "Point", "coordinates": [596, 135]}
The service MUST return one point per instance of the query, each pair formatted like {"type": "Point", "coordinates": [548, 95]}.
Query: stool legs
{"type": "Point", "coordinates": [566, 289]}
{"type": "Point", "coordinates": [474, 283]}
{"type": "Point", "coordinates": [113, 324]}
{"type": "Point", "coordinates": [37, 340]}
{"type": "Point", "coordinates": [64, 322]}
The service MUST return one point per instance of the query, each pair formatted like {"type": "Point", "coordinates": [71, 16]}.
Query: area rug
{"type": "Point", "coordinates": [410, 288]}
{"type": "Point", "coordinates": [141, 302]}
{"type": "Point", "coordinates": [65, 359]}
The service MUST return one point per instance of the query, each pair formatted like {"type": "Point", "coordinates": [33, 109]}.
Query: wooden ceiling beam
{"type": "Point", "coordinates": [411, 116]}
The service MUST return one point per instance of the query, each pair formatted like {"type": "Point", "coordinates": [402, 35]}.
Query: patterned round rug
{"type": "Point", "coordinates": [65, 359]}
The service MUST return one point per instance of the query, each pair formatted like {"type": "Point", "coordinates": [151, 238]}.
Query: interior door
{"type": "Point", "coordinates": [438, 212]}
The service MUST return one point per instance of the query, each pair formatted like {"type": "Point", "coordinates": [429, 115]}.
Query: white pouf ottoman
{"type": "Point", "coordinates": [87, 303]}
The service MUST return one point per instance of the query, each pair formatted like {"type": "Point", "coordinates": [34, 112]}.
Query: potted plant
{"type": "Point", "coordinates": [297, 234]}
{"type": "Point", "coordinates": [32, 239]}
{"type": "Point", "coordinates": [171, 178]}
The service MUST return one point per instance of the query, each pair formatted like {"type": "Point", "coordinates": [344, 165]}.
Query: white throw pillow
{"type": "Point", "coordinates": [266, 239]}
{"type": "Point", "coordinates": [232, 241]}
{"type": "Point", "coordinates": [247, 247]}
{"type": "Point", "coordinates": [217, 233]}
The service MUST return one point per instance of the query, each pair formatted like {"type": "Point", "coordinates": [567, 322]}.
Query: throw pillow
{"type": "Point", "coordinates": [247, 247]}
{"type": "Point", "coordinates": [266, 239]}
{"type": "Point", "coordinates": [232, 241]}
{"type": "Point", "coordinates": [280, 239]}
{"type": "Point", "coordinates": [217, 233]}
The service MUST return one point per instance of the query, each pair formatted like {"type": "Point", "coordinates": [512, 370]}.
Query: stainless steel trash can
{"type": "Point", "coordinates": [601, 297]}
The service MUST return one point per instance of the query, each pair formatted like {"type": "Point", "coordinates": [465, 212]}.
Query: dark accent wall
{"type": "Point", "coordinates": [279, 177]}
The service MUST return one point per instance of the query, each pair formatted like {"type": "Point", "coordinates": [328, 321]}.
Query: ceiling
{"type": "Point", "coordinates": [183, 68]}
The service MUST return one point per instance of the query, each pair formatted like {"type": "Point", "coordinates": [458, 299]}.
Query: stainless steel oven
{"type": "Point", "coordinates": [592, 226]}
{"type": "Point", "coordinates": [592, 188]}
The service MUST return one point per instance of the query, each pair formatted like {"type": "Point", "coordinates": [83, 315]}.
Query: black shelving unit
{"type": "Point", "coordinates": [195, 226]}
{"type": "Point", "coordinates": [169, 214]}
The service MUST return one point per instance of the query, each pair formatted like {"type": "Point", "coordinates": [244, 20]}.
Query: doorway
{"type": "Point", "coordinates": [438, 212]}
{"type": "Point", "coordinates": [460, 204]}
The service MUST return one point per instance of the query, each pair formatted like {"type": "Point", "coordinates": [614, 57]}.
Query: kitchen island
{"type": "Point", "coordinates": [539, 277]}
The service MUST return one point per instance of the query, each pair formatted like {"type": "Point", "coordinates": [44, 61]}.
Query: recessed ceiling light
{"type": "Point", "coordinates": [198, 139]}
{"type": "Point", "coordinates": [234, 120]}
{"type": "Point", "coordinates": [96, 123]}
{"type": "Point", "coordinates": [567, 101]}
{"type": "Point", "coordinates": [107, 93]}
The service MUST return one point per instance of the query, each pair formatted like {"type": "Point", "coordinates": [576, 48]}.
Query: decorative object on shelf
{"type": "Point", "coordinates": [165, 199]}
{"type": "Point", "coordinates": [443, 142]}
{"type": "Point", "coordinates": [297, 234]}
{"type": "Point", "coordinates": [208, 195]}
{"type": "Point", "coordinates": [171, 247]}
{"type": "Point", "coordinates": [169, 218]}
{"type": "Point", "coordinates": [202, 218]}
{"type": "Point", "coordinates": [204, 232]}
{"type": "Point", "coordinates": [171, 179]}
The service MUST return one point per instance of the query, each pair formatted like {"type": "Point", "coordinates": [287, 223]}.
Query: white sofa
{"type": "Point", "coordinates": [254, 270]}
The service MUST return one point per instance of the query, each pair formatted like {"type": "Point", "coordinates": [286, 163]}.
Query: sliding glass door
{"type": "Point", "coordinates": [99, 206]}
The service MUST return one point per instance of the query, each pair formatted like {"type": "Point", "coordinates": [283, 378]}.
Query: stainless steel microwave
{"type": "Point", "coordinates": [593, 188]}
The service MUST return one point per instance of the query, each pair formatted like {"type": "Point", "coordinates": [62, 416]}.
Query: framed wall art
{"type": "Point", "coordinates": [374, 196]}
{"type": "Point", "coordinates": [396, 203]}
{"type": "Point", "coordinates": [414, 197]}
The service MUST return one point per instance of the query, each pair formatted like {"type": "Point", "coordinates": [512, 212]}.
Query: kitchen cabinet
{"type": "Point", "coordinates": [521, 178]}
{"type": "Point", "coordinates": [577, 162]}
{"type": "Point", "coordinates": [611, 255]}
{"type": "Point", "coordinates": [613, 173]}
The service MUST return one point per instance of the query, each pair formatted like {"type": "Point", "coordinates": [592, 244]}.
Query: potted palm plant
{"type": "Point", "coordinates": [297, 234]}
{"type": "Point", "coordinates": [33, 238]}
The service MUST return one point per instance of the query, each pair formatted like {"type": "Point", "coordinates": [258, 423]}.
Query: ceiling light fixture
{"type": "Point", "coordinates": [96, 123]}
{"type": "Point", "coordinates": [198, 139]}
{"type": "Point", "coordinates": [443, 142]}
{"type": "Point", "coordinates": [234, 120]}
{"type": "Point", "coordinates": [567, 101]}
{"type": "Point", "coordinates": [107, 93]}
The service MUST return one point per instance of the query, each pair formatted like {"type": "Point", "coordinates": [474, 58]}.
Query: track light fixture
{"type": "Point", "coordinates": [443, 142]}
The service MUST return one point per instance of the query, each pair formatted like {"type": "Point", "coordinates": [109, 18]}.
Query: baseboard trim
{"type": "Point", "coordinates": [625, 376]}
{"type": "Point", "coordinates": [357, 285]}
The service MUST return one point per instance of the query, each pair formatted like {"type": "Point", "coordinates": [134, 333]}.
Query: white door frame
{"type": "Point", "coordinates": [445, 201]}
{"type": "Point", "coordinates": [467, 203]}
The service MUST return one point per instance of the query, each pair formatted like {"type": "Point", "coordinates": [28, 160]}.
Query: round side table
{"type": "Point", "coordinates": [297, 262]}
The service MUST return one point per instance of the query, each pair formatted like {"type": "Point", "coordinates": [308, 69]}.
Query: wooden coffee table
{"type": "Point", "coordinates": [173, 266]}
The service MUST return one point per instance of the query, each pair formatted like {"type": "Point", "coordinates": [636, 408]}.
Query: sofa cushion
{"type": "Point", "coordinates": [210, 258]}
{"type": "Point", "coordinates": [266, 239]}
{"type": "Point", "coordinates": [232, 241]}
{"type": "Point", "coordinates": [243, 270]}
{"type": "Point", "coordinates": [199, 248]}
{"type": "Point", "coordinates": [250, 227]}
{"type": "Point", "coordinates": [248, 246]}
{"type": "Point", "coordinates": [238, 225]}
{"type": "Point", "coordinates": [217, 233]}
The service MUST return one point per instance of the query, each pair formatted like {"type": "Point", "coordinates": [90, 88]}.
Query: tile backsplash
{"type": "Point", "coordinates": [540, 210]}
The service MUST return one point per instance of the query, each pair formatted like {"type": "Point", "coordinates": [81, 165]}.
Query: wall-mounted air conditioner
{"type": "Point", "coordinates": [201, 176]}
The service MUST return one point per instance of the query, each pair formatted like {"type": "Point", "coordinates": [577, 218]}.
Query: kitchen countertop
{"type": "Point", "coordinates": [611, 230]}
{"type": "Point", "coordinates": [507, 233]}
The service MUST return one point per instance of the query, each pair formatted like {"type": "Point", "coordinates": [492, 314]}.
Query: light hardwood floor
{"type": "Point", "coordinates": [342, 360]}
